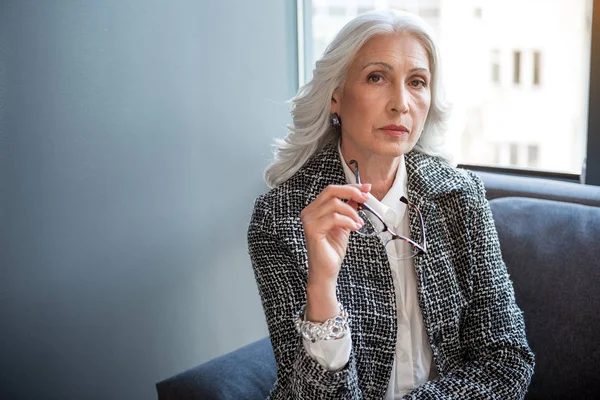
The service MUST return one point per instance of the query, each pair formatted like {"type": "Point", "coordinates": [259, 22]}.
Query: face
{"type": "Point", "coordinates": [385, 98]}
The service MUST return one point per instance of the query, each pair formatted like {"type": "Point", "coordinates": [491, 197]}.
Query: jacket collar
{"type": "Point", "coordinates": [428, 177]}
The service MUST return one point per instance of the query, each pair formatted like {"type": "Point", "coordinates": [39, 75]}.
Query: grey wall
{"type": "Point", "coordinates": [133, 138]}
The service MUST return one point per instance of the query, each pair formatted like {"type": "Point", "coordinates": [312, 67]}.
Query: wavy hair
{"type": "Point", "coordinates": [311, 129]}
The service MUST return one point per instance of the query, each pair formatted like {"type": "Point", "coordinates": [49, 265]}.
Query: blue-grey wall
{"type": "Point", "coordinates": [133, 138]}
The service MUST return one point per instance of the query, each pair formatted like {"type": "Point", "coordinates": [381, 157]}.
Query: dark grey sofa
{"type": "Point", "coordinates": [550, 237]}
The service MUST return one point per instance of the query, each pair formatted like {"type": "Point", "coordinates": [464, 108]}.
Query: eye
{"type": "Point", "coordinates": [375, 78]}
{"type": "Point", "coordinates": [418, 83]}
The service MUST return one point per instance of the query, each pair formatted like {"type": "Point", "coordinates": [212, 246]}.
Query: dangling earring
{"type": "Point", "coordinates": [335, 122]}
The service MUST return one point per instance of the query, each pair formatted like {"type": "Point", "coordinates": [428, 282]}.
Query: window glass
{"type": "Point", "coordinates": [516, 72]}
{"type": "Point", "coordinates": [536, 67]}
{"type": "Point", "coordinates": [516, 67]}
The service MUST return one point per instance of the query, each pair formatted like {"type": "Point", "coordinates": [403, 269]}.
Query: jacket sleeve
{"type": "Point", "coordinates": [282, 288]}
{"type": "Point", "coordinates": [500, 362]}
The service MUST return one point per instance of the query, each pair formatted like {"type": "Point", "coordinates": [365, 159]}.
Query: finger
{"type": "Point", "coordinates": [334, 205]}
{"type": "Point", "coordinates": [357, 193]}
{"type": "Point", "coordinates": [336, 220]}
{"type": "Point", "coordinates": [353, 204]}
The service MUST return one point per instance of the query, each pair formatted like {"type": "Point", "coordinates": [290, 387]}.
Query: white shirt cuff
{"type": "Point", "coordinates": [333, 355]}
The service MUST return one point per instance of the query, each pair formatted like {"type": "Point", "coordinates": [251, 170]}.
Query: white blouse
{"type": "Point", "coordinates": [413, 364]}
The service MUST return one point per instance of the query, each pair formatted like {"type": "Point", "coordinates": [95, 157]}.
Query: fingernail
{"type": "Point", "coordinates": [366, 186]}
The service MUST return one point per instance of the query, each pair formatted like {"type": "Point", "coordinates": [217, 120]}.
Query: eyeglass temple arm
{"type": "Point", "coordinates": [356, 174]}
{"type": "Point", "coordinates": [408, 203]}
{"type": "Point", "coordinates": [362, 205]}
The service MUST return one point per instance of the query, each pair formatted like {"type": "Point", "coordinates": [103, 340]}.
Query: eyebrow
{"type": "Point", "coordinates": [388, 66]}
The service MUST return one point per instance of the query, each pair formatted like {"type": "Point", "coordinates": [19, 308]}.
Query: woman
{"type": "Point", "coordinates": [378, 264]}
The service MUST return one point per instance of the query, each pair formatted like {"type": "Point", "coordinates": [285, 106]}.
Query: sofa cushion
{"type": "Point", "coordinates": [501, 185]}
{"type": "Point", "coordinates": [552, 252]}
{"type": "Point", "coordinates": [247, 373]}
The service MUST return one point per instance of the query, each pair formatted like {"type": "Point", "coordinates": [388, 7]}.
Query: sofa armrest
{"type": "Point", "coordinates": [246, 373]}
{"type": "Point", "coordinates": [551, 250]}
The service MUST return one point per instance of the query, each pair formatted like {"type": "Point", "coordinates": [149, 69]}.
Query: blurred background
{"type": "Point", "coordinates": [133, 136]}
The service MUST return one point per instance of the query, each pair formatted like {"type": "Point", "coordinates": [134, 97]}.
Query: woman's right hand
{"type": "Point", "coordinates": [327, 223]}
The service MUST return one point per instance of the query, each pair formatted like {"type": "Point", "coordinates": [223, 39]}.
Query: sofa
{"type": "Point", "coordinates": [549, 233]}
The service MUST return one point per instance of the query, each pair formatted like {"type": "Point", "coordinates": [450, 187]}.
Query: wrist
{"type": "Point", "coordinates": [321, 302]}
{"type": "Point", "coordinates": [331, 329]}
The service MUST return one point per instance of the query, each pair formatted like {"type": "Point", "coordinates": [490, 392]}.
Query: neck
{"type": "Point", "coordinates": [379, 171]}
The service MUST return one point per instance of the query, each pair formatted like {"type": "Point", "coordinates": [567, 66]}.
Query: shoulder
{"type": "Point", "coordinates": [280, 205]}
{"type": "Point", "coordinates": [284, 202]}
{"type": "Point", "coordinates": [475, 186]}
{"type": "Point", "coordinates": [436, 178]}
{"type": "Point", "coordinates": [465, 182]}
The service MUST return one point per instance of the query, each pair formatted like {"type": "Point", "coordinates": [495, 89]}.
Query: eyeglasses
{"type": "Point", "coordinates": [397, 246]}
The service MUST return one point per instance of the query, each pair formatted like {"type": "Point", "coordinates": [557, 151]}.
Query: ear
{"type": "Point", "coordinates": [335, 101]}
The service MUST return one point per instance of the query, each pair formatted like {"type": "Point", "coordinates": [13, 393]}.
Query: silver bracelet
{"type": "Point", "coordinates": [333, 328]}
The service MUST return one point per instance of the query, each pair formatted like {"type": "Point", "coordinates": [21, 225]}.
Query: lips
{"type": "Point", "coordinates": [397, 128]}
{"type": "Point", "coordinates": [395, 131]}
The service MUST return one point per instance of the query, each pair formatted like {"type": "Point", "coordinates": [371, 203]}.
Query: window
{"type": "Point", "coordinates": [516, 67]}
{"type": "Point", "coordinates": [514, 75]}
{"type": "Point", "coordinates": [536, 67]}
{"type": "Point", "coordinates": [517, 155]}
{"type": "Point", "coordinates": [532, 155]}
{"type": "Point", "coordinates": [496, 66]}
{"type": "Point", "coordinates": [514, 154]}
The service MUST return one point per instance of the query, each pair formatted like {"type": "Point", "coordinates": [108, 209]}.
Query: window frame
{"type": "Point", "coordinates": [592, 174]}
{"type": "Point", "coordinates": [592, 153]}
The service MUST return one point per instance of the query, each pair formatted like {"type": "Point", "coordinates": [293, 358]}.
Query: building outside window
{"type": "Point", "coordinates": [485, 111]}
{"type": "Point", "coordinates": [514, 154]}
{"type": "Point", "coordinates": [516, 67]}
{"type": "Point", "coordinates": [496, 66]}
{"type": "Point", "coordinates": [537, 56]}
{"type": "Point", "coordinates": [532, 155]}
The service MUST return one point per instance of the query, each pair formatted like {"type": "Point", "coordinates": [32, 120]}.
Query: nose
{"type": "Point", "coordinates": [399, 99]}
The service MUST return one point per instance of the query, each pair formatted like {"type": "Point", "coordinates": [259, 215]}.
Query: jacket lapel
{"type": "Point", "coordinates": [437, 189]}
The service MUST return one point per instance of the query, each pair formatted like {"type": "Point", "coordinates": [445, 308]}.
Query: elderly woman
{"type": "Point", "coordinates": [378, 263]}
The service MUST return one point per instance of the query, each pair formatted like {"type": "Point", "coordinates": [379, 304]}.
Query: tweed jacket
{"type": "Point", "coordinates": [474, 325]}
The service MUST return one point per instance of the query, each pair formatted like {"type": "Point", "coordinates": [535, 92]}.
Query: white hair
{"type": "Point", "coordinates": [311, 129]}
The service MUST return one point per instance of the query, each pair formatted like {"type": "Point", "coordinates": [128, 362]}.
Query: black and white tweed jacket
{"type": "Point", "coordinates": [475, 328]}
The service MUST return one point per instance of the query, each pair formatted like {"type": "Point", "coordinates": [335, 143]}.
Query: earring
{"type": "Point", "coordinates": [335, 121]}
